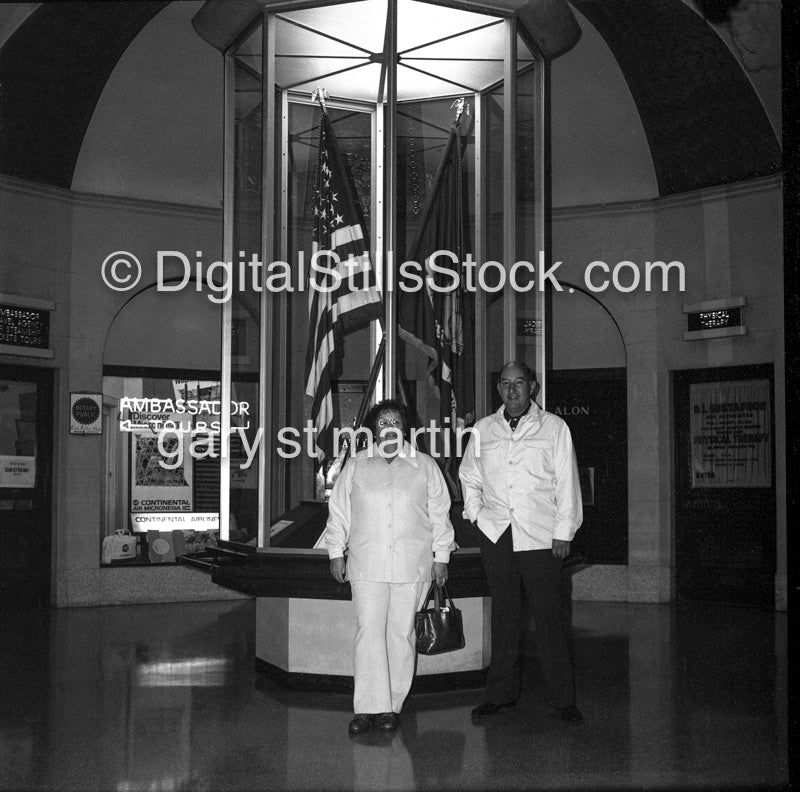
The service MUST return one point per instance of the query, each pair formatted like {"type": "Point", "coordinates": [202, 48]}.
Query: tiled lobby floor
{"type": "Point", "coordinates": [165, 697]}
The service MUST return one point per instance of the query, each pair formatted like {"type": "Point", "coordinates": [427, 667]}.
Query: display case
{"type": "Point", "coordinates": [393, 78]}
{"type": "Point", "coordinates": [431, 122]}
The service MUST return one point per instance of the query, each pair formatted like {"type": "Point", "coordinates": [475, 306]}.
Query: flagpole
{"type": "Point", "coordinates": [390, 171]}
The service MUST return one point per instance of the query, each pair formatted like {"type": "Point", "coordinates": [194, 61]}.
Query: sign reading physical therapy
{"type": "Point", "coordinates": [715, 319]}
{"type": "Point", "coordinates": [711, 320]}
{"type": "Point", "coordinates": [731, 433]}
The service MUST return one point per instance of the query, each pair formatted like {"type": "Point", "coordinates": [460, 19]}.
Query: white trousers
{"type": "Point", "coordinates": [385, 652]}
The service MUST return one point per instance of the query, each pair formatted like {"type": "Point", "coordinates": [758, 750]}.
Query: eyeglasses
{"type": "Point", "coordinates": [384, 422]}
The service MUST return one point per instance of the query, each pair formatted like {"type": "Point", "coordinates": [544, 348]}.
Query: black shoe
{"type": "Point", "coordinates": [387, 721]}
{"type": "Point", "coordinates": [360, 723]}
{"type": "Point", "coordinates": [571, 714]}
{"type": "Point", "coordinates": [490, 708]}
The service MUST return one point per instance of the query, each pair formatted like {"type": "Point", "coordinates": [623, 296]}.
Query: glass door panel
{"type": "Point", "coordinates": [244, 311]}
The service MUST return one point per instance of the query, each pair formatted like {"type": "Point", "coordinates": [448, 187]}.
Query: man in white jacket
{"type": "Point", "coordinates": [519, 475]}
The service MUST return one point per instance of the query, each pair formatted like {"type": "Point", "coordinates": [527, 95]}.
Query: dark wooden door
{"type": "Point", "coordinates": [26, 453]}
{"type": "Point", "coordinates": [725, 510]}
{"type": "Point", "coordinates": [593, 402]}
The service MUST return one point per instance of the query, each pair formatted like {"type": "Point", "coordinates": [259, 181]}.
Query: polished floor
{"type": "Point", "coordinates": [165, 697]}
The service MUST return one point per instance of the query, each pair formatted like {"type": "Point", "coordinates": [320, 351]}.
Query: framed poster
{"type": "Point", "coordinates": [730, 433]}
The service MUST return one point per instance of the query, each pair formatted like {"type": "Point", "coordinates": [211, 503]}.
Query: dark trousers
{"type": "Point", "coordinates": [540, 572]}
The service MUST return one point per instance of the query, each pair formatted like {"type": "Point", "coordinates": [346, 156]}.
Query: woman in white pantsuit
{"type": "Point", "coordinates": [389, 510]}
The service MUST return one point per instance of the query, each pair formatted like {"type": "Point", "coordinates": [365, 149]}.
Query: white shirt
{"type": "Point", "coordinates": [393, 518]}
{"type": "Point", "coordinates": [527, 478]}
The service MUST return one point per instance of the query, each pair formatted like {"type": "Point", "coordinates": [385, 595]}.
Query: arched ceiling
{"type": "Point", "coordinates": [53, 69]}
{"type": "Point", "coordinates": [599, 152]}
{"type": "Point", "coordinates": [702, 119]}
{"type": "Point", "coordinates": [156, 131]}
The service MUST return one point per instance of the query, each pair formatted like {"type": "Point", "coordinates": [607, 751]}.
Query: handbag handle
{"type": "Point", "coordinates": [437, 602]}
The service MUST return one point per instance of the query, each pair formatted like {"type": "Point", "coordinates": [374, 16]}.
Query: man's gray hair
{"type": "Point", "coordinates": [529, 372]}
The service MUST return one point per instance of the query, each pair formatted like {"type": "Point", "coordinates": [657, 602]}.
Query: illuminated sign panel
{"type": "Point", "coordinates": [25, 327]}
{"type": "Point", "coordinates": [715, 319]}
{"type": "Point", "coordinates": [711, 320]}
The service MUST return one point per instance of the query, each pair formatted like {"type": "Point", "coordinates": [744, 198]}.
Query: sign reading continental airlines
{"type": "Point", "coordinates": [731, 434]}
{"type": "Point", "coordinates": [171, 521]}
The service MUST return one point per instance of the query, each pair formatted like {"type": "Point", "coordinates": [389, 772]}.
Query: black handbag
{"type": "Point", "coordinates": [439, 629]}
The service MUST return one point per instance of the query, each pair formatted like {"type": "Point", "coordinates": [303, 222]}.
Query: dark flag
{"type": "Point", "coordinates": [441, 323]}
{"type": "Point", "coordinates": [339, 228]}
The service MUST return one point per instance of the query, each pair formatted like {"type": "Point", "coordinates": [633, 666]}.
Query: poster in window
{"type": "Point", "coordinates": [161, 468]}
{"type": "Point", "coordinates": [17, 471]}
{"type": "Point", "coordinates": [17, 434]}
{"type": "Point", "coordinates": [196, 390]}
{"type": "Point", "coordinates": [731, 435]}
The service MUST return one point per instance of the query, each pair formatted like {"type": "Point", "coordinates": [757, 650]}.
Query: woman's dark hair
{"type": "Point", "coordinates": [387, 405]}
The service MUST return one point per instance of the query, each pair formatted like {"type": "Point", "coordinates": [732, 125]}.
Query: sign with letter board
{"type": "Point", "coordinates": [25, 327]}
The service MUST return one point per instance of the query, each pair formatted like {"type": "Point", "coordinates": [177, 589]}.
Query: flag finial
{"type": "Point", "coordinates": [462, 106]}
{"type": "Point", "coordinates": [320, 94]}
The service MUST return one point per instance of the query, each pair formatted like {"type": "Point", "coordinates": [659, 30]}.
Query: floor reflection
{"type": "Point", "coordinates": [165, 697]}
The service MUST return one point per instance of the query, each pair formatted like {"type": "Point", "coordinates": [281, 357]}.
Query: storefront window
{"type": "Point", "coordinates": [162, 464]}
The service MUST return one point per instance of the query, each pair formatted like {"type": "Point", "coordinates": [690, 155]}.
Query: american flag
{"type": "Point", "coordinates": [340, 229]}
